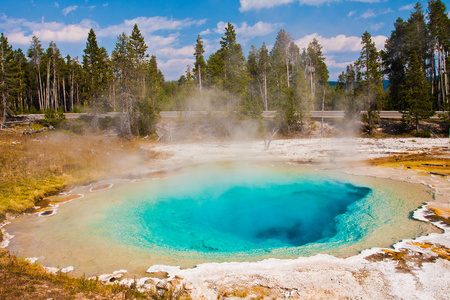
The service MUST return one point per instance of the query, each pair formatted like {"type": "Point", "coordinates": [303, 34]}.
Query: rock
{"type": "Point", "coordinates": [31, 260]}
{"type": "Point", "coordinates": [188, 286]}
{"type": "Point", "coordinates": [127, 282]}
{"type": "Point", "coordinates": [175, 282]}
{"type": "Point", "coordinates": [68, 269]}
{"type": "Point", "coordinates": [162, 268]}
{"type": "Point", "coordinates": [179, 277]}
{"type": "Point", "coordinates": [51, 270]}
{"type": "Point", "coordinates": [162, 285]}
{"type": "Point", "coordinates": [150, 281]}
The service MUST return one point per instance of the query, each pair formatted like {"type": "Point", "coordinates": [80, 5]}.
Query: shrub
{"type": "Point", "coordinates": [423, 134]}
{"type": "Point", "coordinates": [54, 118]}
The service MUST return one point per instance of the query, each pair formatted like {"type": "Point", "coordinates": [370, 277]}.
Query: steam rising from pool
{"type": "Point", "coordinates": [221, 212]}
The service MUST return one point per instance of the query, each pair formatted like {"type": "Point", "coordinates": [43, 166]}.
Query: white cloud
{"type": "Point", "coordinates": [368, 14]}
{"type": "Point", "coordinates": [186, 51]}
{"type": "Point", "coordinates": [247, 5]}
{"type": "Point", "coordinates": [156, 41]}
{"type": "Point", "coordinates": [173, 68]}
{"type": "Point", "coordinates": [258, 4]}
{"type": "Point", "coordinates": [332, 63]}
{"type": "Point", "coordinates": [407, 7]}
{"type": "Point", "coordinates": [244, 32]}
{"type": "Point", "coordinates": [69, 9]}
{"type": "Point", "coordinates": [259, 29]}
{"type": "Point", "coordinates": [20, 31]}
{"type": "Point", "coordinates": [339, 43]}
{"type": "Point", "coordinates": [149, 24]}
{"type": "Point", "coordinates": [351, 13]}
{"type": "Point", "coordinates": [56, 4]}
{"type": "Point", "coordinates": [376, 26]}
{"type": "Point", "coordinates": [206, 32]}
{"type": "Point", "coordinates": [380, 41]}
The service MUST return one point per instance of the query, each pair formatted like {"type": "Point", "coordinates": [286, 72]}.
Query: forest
{"type": "Point", "coordinates": [292, 81]}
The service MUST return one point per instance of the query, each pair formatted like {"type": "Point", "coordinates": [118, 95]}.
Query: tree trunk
{"type": "Point", "coordinates": [200, 77]}
{"type": "Point", "coordinates": [64, 94]}
{"type": "Point", "coordinates": [287, 71]}
{"type": "Point", "coordinates": [47, 96]}
{"type": "Point", "coordinates": [40, 92]}
{"type": "Point", "coordinates": [265, 91]}
{"type": "Point", "coordinates": [55, 82]}
{"type": "Point", "coordinates": [4, 104]}
{"type": "Point", "coordinates": [445, 75]}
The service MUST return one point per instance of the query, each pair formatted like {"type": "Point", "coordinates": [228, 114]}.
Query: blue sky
{"type": "Point", "coordinates": [170, 27]}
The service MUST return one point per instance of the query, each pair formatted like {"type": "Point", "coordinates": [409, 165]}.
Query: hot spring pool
{"type": "Point", "coordinates": [220, 212]}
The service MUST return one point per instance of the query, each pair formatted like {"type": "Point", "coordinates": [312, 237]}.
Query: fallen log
{"type": "Point", "coordinates": [31, 131]}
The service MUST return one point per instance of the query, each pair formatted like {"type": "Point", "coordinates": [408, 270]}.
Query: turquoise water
{"type": "Point", "coordinates": [235, 210]}
{"type": "Point", "coordinates": [221, 212]}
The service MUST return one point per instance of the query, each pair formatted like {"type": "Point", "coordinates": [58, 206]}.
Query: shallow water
{"type": "Point", "coordinates": [222, 212]}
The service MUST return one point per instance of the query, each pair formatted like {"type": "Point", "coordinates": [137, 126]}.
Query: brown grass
{"type": "Point", "coordinates": [40, 165]}
{"type": "Point", "coordinates": [37, 166]}
{"type": "Point", "coordinates": [23, 280]}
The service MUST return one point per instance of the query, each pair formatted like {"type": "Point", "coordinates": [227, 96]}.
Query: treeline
{"type": "Point", "coordinates": [287, 79]}
{"type": "Point", "coordinates": [128, 80]}
{"type": "Point", "coordinates": [416, 63]}
{"type": "Point", "coordinates": [284, 79]}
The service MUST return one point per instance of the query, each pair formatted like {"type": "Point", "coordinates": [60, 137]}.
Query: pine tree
{"type": "Point", "coordinates": [369, 79]}
{"type": "Point", "coordinates": [282, 44]}
{"type": "Point", "coordinates": [20, 81]}
{"type": "Point", "coordinates": [252, 106]}
{"type": "Point", "coordinates": [316, 71]}
{"type": "Point", "coordinates": [416, 92]}
{"type": "Point", "coordinates": [216, 69]}
{"type": "Point", "coordinates": [417, 38]}
{"type": "Point", "coordinates": [35, 53]}
{"type": "Point", "coordinates": [439, 29]}
{"type": "Point", "coordinates": [235, 79]}
{"type": "Point", "coordinates": [200, 64]}
{"type": "Point", "coordinates": [6, 65]}
{"type": "Point", "coordinates": [394, 62]}
{"type": "Point", "coordinates": [122, 67]}
{"type": "Point", "coordinates": [263, 67]}
{"type": "Point", "coordinates": [95, 66]}
{"type": "Point", "coordinates": [137, 46]}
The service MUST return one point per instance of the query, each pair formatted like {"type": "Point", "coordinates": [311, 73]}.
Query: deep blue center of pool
{"type": "Point", "coordinates": [235, 210]}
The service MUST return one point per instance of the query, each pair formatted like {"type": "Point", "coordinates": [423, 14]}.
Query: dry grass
{"type": "Point", "coordinates": [23, 280]}
{"type": "Point", "coordinates": [40, 165]}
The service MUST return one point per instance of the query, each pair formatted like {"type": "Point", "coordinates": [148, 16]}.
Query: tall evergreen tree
{"type": "Point", "coordinates": [252, 106]}
{"type": "Point", "coordinates": [95, 66]}
{"type": "Point", "coordinates": [20, 82]}
{"type": "Point", "coordinates": [234, 62]}
{"type": "Point", "coordinates": [35, 53]}
{"type": "Point", "coordinates": [370, 79]}
{"type": "Point", "coordinates": [200, 64]}
{"type": "Point", "coordinates": [6, 65]}
{"type": "Point", "coordinates": [394, 61]}
{"type": "Point", "coordinates": [282, 45]}
{"type": "Point", "coordinates": [439, 29]}
{"type": "Point", "coordinates": [417, 38]}
{"type": "Point", "coordinates": [122, 67]}
{"type": "Point", "coordinates": [263, 67]}
{"type": "Point", "coordinates": [316, 70]}
{"type": "Point", "coordinates": [416, 92]}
